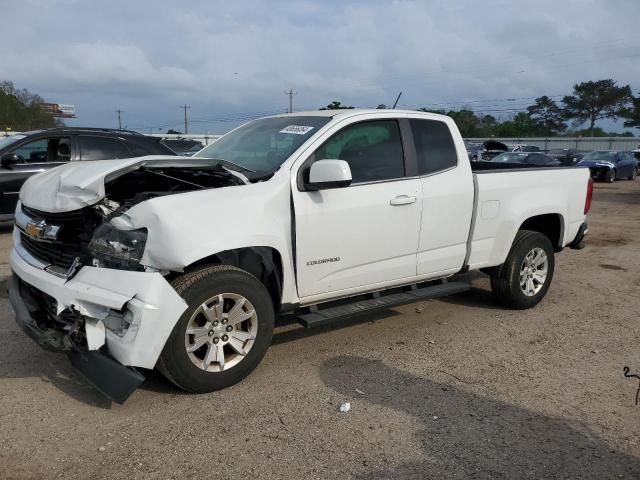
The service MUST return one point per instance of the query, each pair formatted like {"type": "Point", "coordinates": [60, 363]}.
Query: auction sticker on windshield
{"type": "Point", "coordinates": [296, 129]}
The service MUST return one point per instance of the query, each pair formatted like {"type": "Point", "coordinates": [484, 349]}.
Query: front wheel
{"type": "Point", "coordinates": [610, 176]}
{"type": "Point", "coordinates": [224, 333]}
{"type": "Point", "coordinates": [633, 174]}
{"type": "Point", "coordinates": [524, 278]}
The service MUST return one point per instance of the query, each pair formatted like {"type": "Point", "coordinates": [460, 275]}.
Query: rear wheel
{"type": "Point", "coordinates": [223, 334]}
{"type": "Point", "coordinates": [610, 176]}
{"type": "Point", "coordinates": [524, 278]}
{"type": "Point", "coordinates": [633, 174]}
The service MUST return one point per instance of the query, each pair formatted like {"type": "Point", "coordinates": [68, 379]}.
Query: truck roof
{"type": "Point", "coordinates": [349, 112]}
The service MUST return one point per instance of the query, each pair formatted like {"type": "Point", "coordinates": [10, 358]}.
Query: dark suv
{"type": "Point", "coordinates": [25, 154]}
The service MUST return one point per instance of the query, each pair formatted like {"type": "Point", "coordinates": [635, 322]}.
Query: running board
{"type": "Point", "coordinates": [320, 316]}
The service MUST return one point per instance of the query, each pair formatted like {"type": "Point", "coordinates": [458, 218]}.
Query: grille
{"type": "Point", "coordinates": [73, 237]}
{"type": "Point", "coordinates": [56, 218]}
{"type": "Point", "coordinates": [55, 253]}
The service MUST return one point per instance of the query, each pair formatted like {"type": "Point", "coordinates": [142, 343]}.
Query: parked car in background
{"type": "Point", "coordinates": [636, 154]}
{"type": "Point", "coordinates": [26, 154]}
{"type": "Point", "coordinates": [609, 166]}
{"type": "Point", "coordinates": [568, 156]}
{"type": "Point", "coordinates": [473, 149]}
{"type": "Point", "coordinates": [490, 149]}
{"type": "Point", "coordinates": [526, 158]}
{"type": "Point", "coordinates": [525, 148]}
{"type": "Point", "coordinates": [183, 146]}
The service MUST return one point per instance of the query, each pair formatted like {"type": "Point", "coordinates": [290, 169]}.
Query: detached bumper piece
{"type": "Point", "coordinates": [578, 242]}
{"type": "Point", "coordinates": [109, 377]}
{"type": "Point", "coordinates": [113, 380]}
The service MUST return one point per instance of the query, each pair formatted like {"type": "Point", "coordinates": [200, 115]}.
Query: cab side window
{"type": "Point", "coordinates": [372, 149]}
{"type": "Point", "coordinates": [435, 149]}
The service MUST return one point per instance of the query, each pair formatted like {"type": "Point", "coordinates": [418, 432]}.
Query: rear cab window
{"type": "Point", "coordinates": [435, 149]}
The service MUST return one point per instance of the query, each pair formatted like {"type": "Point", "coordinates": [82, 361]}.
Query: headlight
{"type": "Point", "coordinates": [124, 247]}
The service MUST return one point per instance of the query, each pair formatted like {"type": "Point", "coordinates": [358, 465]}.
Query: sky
{"type": "Point", "coordinates": [233, 60]}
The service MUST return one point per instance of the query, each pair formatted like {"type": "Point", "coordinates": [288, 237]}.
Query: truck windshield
{"type": "Point", "coordinates": [263, 145]}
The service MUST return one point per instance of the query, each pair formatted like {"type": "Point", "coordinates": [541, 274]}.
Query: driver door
{"type": "Point", "coordinates": [35, 157]}
{"type": "Point", "coordinates": [363, 236]}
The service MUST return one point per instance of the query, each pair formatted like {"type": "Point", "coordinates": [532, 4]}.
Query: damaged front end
{"type": "Point", "coordinates": [79, 286]}
{"type": "Point", "coordinates": [63, 333]}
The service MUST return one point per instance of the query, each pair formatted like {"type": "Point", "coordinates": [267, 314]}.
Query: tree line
{"type": "Point", "coordinates": [590, 101]}
{"type": "Point", "coordinates": [21, 110]}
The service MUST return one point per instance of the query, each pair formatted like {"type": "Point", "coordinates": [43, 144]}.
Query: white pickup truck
{"type": "Point", "coordinates": [184, 264]}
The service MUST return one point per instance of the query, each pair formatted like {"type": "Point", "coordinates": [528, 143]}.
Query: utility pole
{"type": "Point", "coordinates": [186, 121]}
{"type": "Point", "coordinates": [291, 93]}
{"type": "Point", "coordinates": [119, 119]}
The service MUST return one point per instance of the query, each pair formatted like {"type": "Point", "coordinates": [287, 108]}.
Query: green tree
{"type": "Point", "coordinates": [488, 125]}
{"type": "Point", "coordinates": [336, 105]}
{"type": "Point", "coordinates": [22, 110]}
{"type": "Point", "coordinates": [547, 115]}
{"type": "Point", "coordinates": [632, 114]}
{"type": "Point", "coordinates": [506, 129]}
{"type": "Point", "coordinates": [467, 122]}
{"type": "Point", "coordinates": [524, 124]}
{"type": "Point", "coordinates": [592, 101]}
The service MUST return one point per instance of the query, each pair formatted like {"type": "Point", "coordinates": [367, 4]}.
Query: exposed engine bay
{"type": "Point", "coordinates": [147, 182]}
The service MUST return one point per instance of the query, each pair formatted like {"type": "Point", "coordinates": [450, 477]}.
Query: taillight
{"type": "Point", "coordinates": [587, 201]}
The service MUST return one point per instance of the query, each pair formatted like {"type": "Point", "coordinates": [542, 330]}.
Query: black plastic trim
{"type": "Point", "coordinates": [578, 243]}
{"type": "Point", "coordinates": [49, 339]}
{"type": "Point", "coordinates": [112, 379]}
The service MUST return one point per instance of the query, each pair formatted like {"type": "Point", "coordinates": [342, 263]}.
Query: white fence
{"type": "Point", "coordinates": [579, 143]}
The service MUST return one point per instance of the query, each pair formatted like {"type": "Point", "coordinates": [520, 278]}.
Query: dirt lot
{"type": "Point", "coordinates": [456, 388]}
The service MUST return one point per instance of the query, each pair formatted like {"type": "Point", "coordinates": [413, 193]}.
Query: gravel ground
{"type": "Point", "coordinates": [453, 388]}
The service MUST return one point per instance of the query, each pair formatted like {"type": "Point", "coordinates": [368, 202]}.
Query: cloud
{"type": "Point", "coordinates": [234, 58]}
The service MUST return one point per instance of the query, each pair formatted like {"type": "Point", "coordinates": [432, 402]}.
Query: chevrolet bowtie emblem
{"type": "Point", "coordinates": [35, 230]}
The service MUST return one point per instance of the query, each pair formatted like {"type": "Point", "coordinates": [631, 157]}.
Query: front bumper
{"type": "Point", "coordinates": [103, 298]}
{"type": "Point", "coordinates": [599, 173]}
{"type": "Point", "coordinates": [108, 376]}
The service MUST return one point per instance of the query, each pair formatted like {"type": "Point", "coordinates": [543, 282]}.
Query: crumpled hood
{"type": "Point", "coordinates": [595, 163]}
{"type": "Point", "coordinates": [79, 184]}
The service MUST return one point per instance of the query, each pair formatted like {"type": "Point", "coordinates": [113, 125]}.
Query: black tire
{"type": "Point", "coordinates": [633, 175]}
{"type": "Point", "coordinates": [197, 287]}
{"type": "Point", "coordinates": [505, 280]}
{"type": "Point", "coordinates": [610, 176]}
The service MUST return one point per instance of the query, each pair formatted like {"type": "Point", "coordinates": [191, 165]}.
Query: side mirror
{"type": "Point", "coordinates": [9, 159]}
{"type": "Point", "coordinates": [329, 174]}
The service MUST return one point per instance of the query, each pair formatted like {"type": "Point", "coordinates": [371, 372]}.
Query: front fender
{"type": "Point", "coordinates": [188, 227]}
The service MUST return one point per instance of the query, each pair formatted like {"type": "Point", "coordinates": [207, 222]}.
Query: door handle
{"type": "Point", "coordinates": [403, 200]}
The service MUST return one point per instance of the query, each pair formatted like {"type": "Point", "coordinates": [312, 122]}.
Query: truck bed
{"type": "Point", "coordinates": [506, 197]}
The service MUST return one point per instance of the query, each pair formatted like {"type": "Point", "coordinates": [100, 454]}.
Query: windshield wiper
{"type": "Point", "coordinates": [232, 165]}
